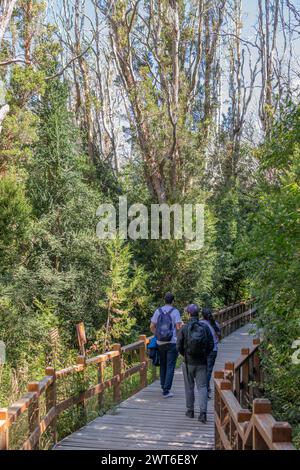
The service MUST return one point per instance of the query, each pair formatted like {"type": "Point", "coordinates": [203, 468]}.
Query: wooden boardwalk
{"type": "Point", "coordinates": [148, 421]}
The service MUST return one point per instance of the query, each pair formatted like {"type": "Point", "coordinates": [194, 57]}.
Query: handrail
{"type": "Point", "coordinates": [243, 422]}
{"type": "Point", "coordinates": [230, 318]}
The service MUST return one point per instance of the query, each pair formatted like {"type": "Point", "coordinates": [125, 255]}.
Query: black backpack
{"type": "Point", "coordinates": [197, 342]}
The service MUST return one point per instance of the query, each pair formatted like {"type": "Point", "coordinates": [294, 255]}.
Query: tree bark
{"type": "Point", "coordinates": [6, 11]}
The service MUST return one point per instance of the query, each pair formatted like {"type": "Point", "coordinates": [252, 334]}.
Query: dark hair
{"type": "Point", "coordinates": [169, 298]}
{"type": "Point", "coordinates": [208, 315]}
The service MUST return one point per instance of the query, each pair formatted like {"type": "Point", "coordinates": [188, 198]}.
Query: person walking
{"type": "Point", "coordinates": [194, 343]}
{"type": "Point", "coordinates": [165, 323]}
{"type": "Point", "coordinates": [215, 329]}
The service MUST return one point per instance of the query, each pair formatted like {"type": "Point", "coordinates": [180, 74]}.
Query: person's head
{"type": "Point", "coordinates": [208, 314]}
{"type": "Point", "coordinates": [193, 310]}
{"type": "Point", "coordinates": [169, 298]}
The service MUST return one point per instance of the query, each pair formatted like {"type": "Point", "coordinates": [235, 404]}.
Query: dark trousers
{"type": "Point", "coordinates": [211, 359]}
{"type": "Point", "coordinates": [168, 356]}
{"type": "Point", "coordinates": [195, 375]}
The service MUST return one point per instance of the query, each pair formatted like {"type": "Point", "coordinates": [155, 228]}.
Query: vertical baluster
{"type": "Point", "coordinates": [101, 366]}
{"type": "Point", "coordinates": [51, 402]}
{"type": "Point", "coordinates": [256, 368]}
{"type": "Point", "coordinates": [237, 384]}
{"type": "Point", "coordinates": [34, 411]}
{"type": "Point", "coordinates": [143, 359]}
{"type": "Point", "coordinates": [245, 375]}
{"type": "Point", "coordinates": [117, 373]}
{"type": "Point", "coordinates": [81, 360]}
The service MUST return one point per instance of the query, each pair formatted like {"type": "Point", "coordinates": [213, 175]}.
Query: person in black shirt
{"type": "Point", "coordinates": [194, 343]}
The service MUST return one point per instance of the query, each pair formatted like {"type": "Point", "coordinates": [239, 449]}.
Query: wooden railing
{"type": "Point", "coordinates": [243, 421]}
{"type": "Point", "coordinates": [43, 405]}
{"type": "Point", "coordinates": [47, 389]}
{"type": "Point", "coordinates": [235, 316]}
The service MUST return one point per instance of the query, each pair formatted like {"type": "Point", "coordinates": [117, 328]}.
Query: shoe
{"type": "Point", "coordinates": [209, 395]}
{"type": "Point", "coordinates": [202, 417]}
{"type": "Point", "coordinates": [168, 395]}
{"type": "Point", "coordinates": [190, 414]}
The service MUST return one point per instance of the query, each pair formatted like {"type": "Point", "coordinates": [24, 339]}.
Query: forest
{"type": "Point", "coordinates": [164, 101]}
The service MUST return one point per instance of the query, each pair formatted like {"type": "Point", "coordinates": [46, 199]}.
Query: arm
{"type": "Point", "coordinates": [210, 340]}
{"type": "Point", "coordinates": [178, 321]}
{"type": "Point", "coordinates": [153, 328]}
{"type": "Point", "coordinates": [180, 341]}
{"type": "Point", "coordinates": [153, 322]}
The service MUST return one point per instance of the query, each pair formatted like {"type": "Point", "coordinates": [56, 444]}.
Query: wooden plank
{"type": "Point", "coordinates": [134, 436]}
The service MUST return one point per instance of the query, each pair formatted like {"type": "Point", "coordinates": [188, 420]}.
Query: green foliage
{"type": "Point", "coordinates": [17, 136]}
{"type": "Point", "coordinates": [59, 280]}
{"type": "Point", "coordinates": [126, 296]}
{"type": "Point", "coordinates": [274, 245]}
{"type": "Point", "coordinates": [232, 206]}
{"type": "Point", "coordinates": [14, 220]}
{"type": "Point", "coordinates": [25, 83]}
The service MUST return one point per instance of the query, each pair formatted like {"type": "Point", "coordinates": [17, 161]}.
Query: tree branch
{"type": "Point", "coordinates": [78, 56]}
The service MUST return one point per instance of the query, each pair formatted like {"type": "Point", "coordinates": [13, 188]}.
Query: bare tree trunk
{"type": "Point", "coordinates": [27, 7]}
{"type": "Point", "coordinates": [213, 22]}
{"type": "Point", "coordinates": [6, 11]}
{"type": "Point", "coordinates": [3, 112]}
{"type": "Point", "coordinates": [268, 28]}
{"type": "Point", "coordinates": [86, 83]}
{"type": "Point", "coordinates": [122, 55]}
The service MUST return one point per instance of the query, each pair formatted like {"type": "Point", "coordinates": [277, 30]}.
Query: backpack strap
{"type": "Point", "coordinates": [164, 313]}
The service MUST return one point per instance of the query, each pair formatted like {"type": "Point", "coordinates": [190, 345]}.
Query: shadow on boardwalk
{"type": "Point", "coordinates": [148, 421]}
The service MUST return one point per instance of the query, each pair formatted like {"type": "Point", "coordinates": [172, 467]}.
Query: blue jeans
{"type": "Point", "coordinates": [211, 359]}
{"type": "Point", "coordinates": [168, 356]}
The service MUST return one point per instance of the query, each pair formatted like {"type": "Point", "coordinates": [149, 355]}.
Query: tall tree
{"type": "Point", "coordinates": [158, 49]}
{"type": "Point", "coordinates": [6, 11]}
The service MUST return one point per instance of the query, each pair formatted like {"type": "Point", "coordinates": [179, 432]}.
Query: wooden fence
{"type": "Point", "coordinates": [243, 421]}
{"type": "Point", "coordinates": [44, 418]}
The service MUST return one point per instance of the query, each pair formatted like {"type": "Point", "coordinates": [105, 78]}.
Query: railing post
{"type": "Point", "coordinates": [51, 401]}
{"type": "Point", "coordinates": [100, 381]}
{"type": "Point", "coordinates": [260, 406]}
{"type": "Point", "coordinates": [81, 360]}
{"type": "Point", "coordinates": [4, 435]}
{"type": "Point", "coordinates": [143, 359]}
{"type": "Point", "coordinates": [256, 364]}
{"type": "Point", "coordinates": [281, 432]}
{"type": "Point", "coordinates": [218, 374]}
{"type": "Point", "coordinates": [237, 384]}
{"type": "Point", "coordinates": [243, 416]}
{"type": "Point", "coordinates": [229, 367]}
{"type": "Point", "coordinates": [34, 410]}
{"type": "Point", "coordinates": [245, 376]}
{"type": "Point", "coordinates": [117, 372]}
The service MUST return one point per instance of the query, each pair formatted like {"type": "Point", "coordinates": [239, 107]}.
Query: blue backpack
{"type": "Point", "coordinates": [164, 326]}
